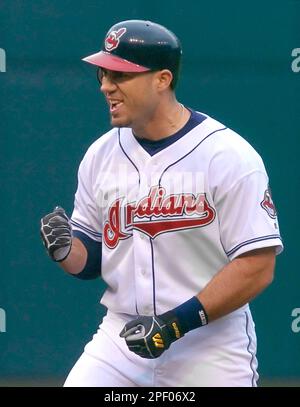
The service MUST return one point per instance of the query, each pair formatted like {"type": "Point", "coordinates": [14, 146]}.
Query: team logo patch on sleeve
{"type": "Point", "coordinates": [268, 205]}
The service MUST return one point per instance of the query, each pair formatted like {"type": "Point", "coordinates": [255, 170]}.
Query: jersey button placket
{"type": "Point", "coordinates": [143, 278]}
{"type": "Point", "coordinates": [142, 254]}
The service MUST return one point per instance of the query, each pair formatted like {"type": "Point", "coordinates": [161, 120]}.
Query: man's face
{"type": "Point", "coordinates": [132, 97]}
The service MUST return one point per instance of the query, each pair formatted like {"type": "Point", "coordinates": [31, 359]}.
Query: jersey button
{"type": "Point", "coordinates": [143, 271]}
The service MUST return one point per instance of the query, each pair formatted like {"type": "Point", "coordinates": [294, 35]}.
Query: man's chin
{"type": "Point", "coordinates": [119, 122]}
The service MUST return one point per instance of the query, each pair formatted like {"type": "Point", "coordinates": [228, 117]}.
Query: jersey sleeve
{"type": "Point", "coordinates": [247, 216]}
{"type": "Point", "coordinates": [242, 197]}
{"type": "Point", "coordinates": [86, 216]}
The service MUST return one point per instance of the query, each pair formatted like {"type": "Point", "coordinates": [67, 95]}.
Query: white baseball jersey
{"type": "Point", "coordinates": [169, 222]}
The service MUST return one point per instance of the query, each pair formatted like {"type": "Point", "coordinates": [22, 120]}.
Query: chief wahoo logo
{"type": "Point", "coordinates": [112, 41]}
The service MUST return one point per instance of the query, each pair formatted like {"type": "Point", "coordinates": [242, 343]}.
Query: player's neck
{"type": "Point", "coordinates": [167, 120]}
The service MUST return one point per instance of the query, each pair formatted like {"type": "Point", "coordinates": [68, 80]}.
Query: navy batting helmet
{"type": "Point", "coordinates": [139, 46]}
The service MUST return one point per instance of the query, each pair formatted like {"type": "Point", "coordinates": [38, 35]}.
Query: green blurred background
{"type": "Point", "coordinates": [236, 67]}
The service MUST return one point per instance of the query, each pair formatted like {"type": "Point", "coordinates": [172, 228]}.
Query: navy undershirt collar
{"type": "Point", "coordinates": [153, 147]}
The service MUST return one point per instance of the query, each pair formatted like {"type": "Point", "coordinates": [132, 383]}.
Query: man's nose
{"type": "Point", "coordinates": [107, 85]}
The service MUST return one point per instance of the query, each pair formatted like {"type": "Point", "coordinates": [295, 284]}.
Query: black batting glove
{"type": "Point", "coordinates": [150, 336]}
{"type": "Point", "coordinates": [56, 232]}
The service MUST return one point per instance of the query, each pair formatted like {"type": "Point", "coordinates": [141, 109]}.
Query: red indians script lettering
{"type": "Point", "coordinates": [155, 214]}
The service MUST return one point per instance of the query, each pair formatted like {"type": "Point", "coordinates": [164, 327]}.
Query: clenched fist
{"type": "Point", "coordinates": [150, 336]}
{"type": "Point", "coordinates": [56, 232]}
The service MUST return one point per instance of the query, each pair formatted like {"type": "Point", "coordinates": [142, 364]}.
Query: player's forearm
{"type": "Point", "coordinates": [238, 282]}
{"type": "Point", "coordinates": [77, 258]}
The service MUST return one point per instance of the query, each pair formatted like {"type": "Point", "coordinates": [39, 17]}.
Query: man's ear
{"type": "Point", "coordinates": [164, 79]}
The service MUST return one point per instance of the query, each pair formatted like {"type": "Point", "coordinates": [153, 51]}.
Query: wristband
{"type": "Point", "coordinates": [189, 315]}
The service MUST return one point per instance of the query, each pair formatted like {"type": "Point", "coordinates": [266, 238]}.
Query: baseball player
{"type": "Point", "coordinates": [174, 212]}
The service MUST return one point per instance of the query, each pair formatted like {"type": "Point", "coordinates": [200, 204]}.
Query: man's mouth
{"type": "Point", "coordinates": [114, 105]}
